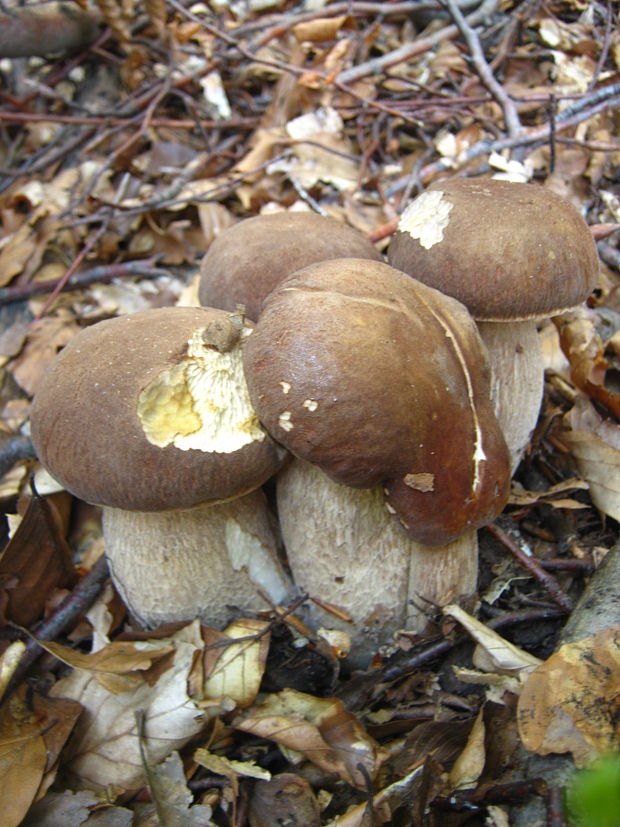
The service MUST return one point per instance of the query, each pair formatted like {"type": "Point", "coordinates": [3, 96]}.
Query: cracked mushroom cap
{"type": "Point", "coordinates": [380, 380]}
{"type": "Point", "coordinates": [151, 411]}
{"type": "Point", "coordinates": [507, 251]}
{"type": "Point", "coordinates": [249, 259]}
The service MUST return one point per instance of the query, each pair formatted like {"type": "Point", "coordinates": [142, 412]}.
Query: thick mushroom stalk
{"type": "Point", "coordinates": [511, 253]}
{"type": "Point", "coordinates": [517, 380]}
{"type": "Point", "coordinates": [210, 562]}
{"type": "Point", "coordinates": [345, 548]}
{"type": "Point", "coordinates": [149, 416]}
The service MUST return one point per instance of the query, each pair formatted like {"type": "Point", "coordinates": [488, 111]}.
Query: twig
{"type": "Point", "coordinates": [532, 565]}
{"type": "Point", "coordinates": [416, 47]}
{"type": "Point", "coordinates": [610, 255]}
{"type": "Point", "coordinates": [72, 608]}
{"type": "Point", "coordinates": [401, 666]}
{"type": "Point", "coordinates": [92, 241]}
{"type": "Point", "coordinates": [14, 448]}
{"type": "Point", "coordinates": [101, 275]}
{"type": "Point", "coordinates": [605, 50]}
{"type": "Point", "coordinates": [584, 109]}
{"type": "Point", "coordinates": [511, 118]}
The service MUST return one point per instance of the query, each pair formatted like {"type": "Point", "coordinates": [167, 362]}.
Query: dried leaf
{"type": "Point", "coordinates": [595, 446]}
{"type": "Point", "coordinates": [229, 674]}
{"type": "Point", "coordinates": [494, 653]}
{"type": "Point", "coordinates": [105, 749]}
{"type": "Point", "coordinates": [519, 496]}
{"type": "Point", "coordinates": [285, 799]}
{"type": "Point", "coordinates": [585, 351]}
{"type": "Point", "coordinates": [319, 29]}
{"type": "Point", "coordinates": [172, 798]}
{"type": "Point", "coordinates": [231, 769]}
{"type": "Point", "coordinates": [65, 808]}
{"type": "Point", "coordinates": [115, 666]}
{"type": "Point", "coordinates": [469, 765]}
{"type": "Point", "coordinates": [570, 703]}
{"type": "Point", "coordinates": [319, 728]}
{"type": "Point", "coordinates": [36, 561]}
{"type": "Point", "coordinates": [23, 756]}
{"type": "Point", "coordinates": [46, 338]}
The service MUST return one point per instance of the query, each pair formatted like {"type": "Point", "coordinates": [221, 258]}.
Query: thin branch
{"type": "Point", "coordinates": [511, 118]}
{"type": "Point", "coordinates": [100, 275]}
{"type": "Point", "coordinates": [415, 48]}
{"type": "Point", "coordinates": [532, 565]}
{"type": "Point", "coordinates": [64, 618]}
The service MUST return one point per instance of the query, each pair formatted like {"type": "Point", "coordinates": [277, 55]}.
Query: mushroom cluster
{"type": "Point", "coordinates": [377, 384]}
{"type": "Point", "coordinates": [342, 542]}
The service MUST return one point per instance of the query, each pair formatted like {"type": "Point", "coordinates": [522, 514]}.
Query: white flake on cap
{"type": "Point", "coordinates": [426, 218]}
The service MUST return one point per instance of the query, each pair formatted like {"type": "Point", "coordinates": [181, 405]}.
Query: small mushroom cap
{"type": "Point", "coordinates": [380, 380]}
{"type": "Point", "coordinates": [150, 411]}
{"type": "Point", "coordinates": [507, 251]}
{"type": "Point", "coordinates": [245, 262]}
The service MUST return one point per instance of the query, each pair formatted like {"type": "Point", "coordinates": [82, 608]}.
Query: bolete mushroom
{"type": "Point", "coordinates": [383, 383]}
{"type": "Point", "coordinates": [249, 259]}
{"type": "Point", "coordinates": [149, 416]}
{"type": "Point", "coordinates": [512, 254]}
{"type": "Point", "coordinates": [345, 547]}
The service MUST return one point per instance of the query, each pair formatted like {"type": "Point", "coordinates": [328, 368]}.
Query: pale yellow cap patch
{"type": "Point", "coordinates": [202, 403]}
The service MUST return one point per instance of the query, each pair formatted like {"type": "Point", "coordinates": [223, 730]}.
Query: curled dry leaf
{"type": "Point", "coordinates": [319, 728]}
{"type": "Point", "coordinates": [585, 351]}
{"type": "Point", "coordinates": [570, 703]}
{"type": "Point", "coordinates": [552, 496]}
{"type": "Point", "coordinates": [228, 673]}
{"type": "Point", "coordinates": [595, 445]}
{"type": "Point", "coordinates": [105, 750]}
{"type": "Point", "coordinates": [36, 560]}
{"type": "Point", "coordinates": [494, 654]}
{"type": "Point", "coordinates": [469, 765]}
{"type": "Point", "coordinates": [119, 666]}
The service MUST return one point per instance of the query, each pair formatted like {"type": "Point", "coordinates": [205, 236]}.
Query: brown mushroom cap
{"type": "Point", "coordinates": [249, 259]}
{"type": "Point", "coordinates": [507, 251]}
{"type": "Point", "coordinates": [378, 379]}
{"type": "Point", "coordinates": [150, 411]}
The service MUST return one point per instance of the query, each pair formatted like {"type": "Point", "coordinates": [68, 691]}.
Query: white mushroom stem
{"type": "Point", "coordinates": [344, 548]}
{"type": "Point", "coordinates": [517, 380]}
{"type": "Point", "coordinates": [210, 562]}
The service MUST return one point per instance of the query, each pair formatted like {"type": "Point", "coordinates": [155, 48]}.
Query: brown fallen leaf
{"type": "Point", "coordinates": [36, 560]}
{"type": "Point", "coordinates": [470, 763]}
{"type": "Point", "coordinates": [104, 751]}
{"type": "Point", "coordinates": [284, 799]}
{"type": "Point", "coordinates": [171, 797]}
{"type": "Point", "coordinates": [119, 666]}
{"type": "Point", "coordinates": [45, 339]}
{"type": "Point", "coordinates": [319, 29]}
{"type": "Point", "coordinates": [584, 349]}
{"type": "Point", "coordinates": [29, 748]}
{"type": "Point", "coordinates": [228, 674]}
{"type": "Point", "coordinates": [595, 446]}
{"type": "Point", "coordinates": [571, 702]}
{"type": "Point", "coordinates": [320, 729]}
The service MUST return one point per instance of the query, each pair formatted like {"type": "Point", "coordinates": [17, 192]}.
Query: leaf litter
{"type": "Point", "coordinates": [181, 120]}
